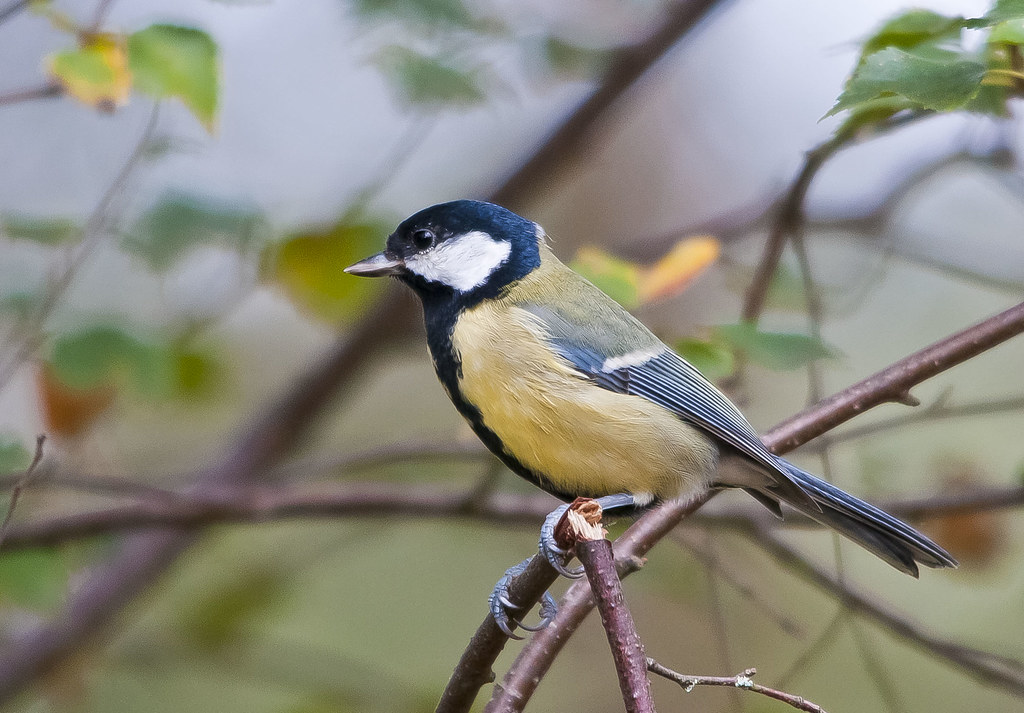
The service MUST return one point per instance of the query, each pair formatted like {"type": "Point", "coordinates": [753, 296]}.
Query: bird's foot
{"type": "Point", "coordinates": [500, 605]}
{"type": "Point", "coordinates": [558, 557]}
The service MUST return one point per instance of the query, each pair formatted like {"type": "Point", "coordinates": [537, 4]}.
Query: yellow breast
{"type": "Point", "coordinates": [584, 439]}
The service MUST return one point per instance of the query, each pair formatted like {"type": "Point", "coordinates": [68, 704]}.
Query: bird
{"type": "Point", "coordinates": [573, 393]}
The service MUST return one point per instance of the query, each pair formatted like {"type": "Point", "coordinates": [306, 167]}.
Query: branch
{"type": "Point", "coordinates": [894, 383]}
{"type": "Point", "coordinates": [45, 91]}
{"type": "Point", "coordinates": [1005, 672]}
{"type": "Point", "coordinates": [790, 212]}
{"type": "Point", "coordinates": [595, 554]}
{"type": "Point", "coordinates": [19, 486]}
{"type": "Point", "coordinates": [538, 654]}
{"type": "Point", "coordinates": [573, 137]}
{"type": "Point", "coordinates": [937, 411]}
{"type": "Point", "coordinates": [741, 680]}
{"type": "Point", "coordinates": [13, 9]}
{"type": "Point", "coordinates": [260, 504]}
{"type": "Point", "coordinates": [790, 215]}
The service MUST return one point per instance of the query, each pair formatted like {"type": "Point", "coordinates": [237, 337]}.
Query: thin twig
{"type": "Point", "coordinates": [937, 411]}
{"type": "Point", "coordinates": [92, 234]}
{"type": "Point", "coordinates": [703, 553]}
{"type": "Point", "coordinates": [742, 681]}
{"type": "Point", "coordinates": [20, 486]}
{"type": "Point", "coordinates": [13, 9]}
{"type": "Point", "coordinates": [45, 91]}
{"type": "Point", "coordinates": [893, 384]}
{"type": "Point", "coordinates": [789, 215]}
{"type": "Point", "coordinates": [1002, 671]}
{"type": "Point", "coordinates": [573, 137]}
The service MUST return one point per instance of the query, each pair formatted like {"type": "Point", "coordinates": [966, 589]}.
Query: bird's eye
{"type": "Point", "coordinates": [422, 239]}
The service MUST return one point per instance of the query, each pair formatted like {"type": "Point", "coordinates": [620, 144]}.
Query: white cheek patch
{"type": "Point", "coordinates": [462, 262]}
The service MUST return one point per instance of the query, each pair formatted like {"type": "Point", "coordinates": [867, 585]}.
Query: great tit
{"type": "Point", "coordinates": [574, 394]}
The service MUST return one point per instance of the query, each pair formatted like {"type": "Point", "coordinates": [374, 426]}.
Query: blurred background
{"type": "Point", "coordinates": [181, 185]}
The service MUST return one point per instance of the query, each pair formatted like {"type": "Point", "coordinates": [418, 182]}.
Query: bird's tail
{"type": "Point", "coordinates": [873, 529]}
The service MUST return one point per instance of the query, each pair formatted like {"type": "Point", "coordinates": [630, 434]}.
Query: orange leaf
{"type": "Point", "coordinates": [68, 411]}
{"type": "Point", "coordinates": [674, 272]}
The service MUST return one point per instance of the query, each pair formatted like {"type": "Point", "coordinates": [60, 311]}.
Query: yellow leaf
{"type": "Point", "coordinates": [96, 73]}
{"type": "Point", "coordinates": [674, 272]}
{"type": "Point", "coordinates": [309, 266]}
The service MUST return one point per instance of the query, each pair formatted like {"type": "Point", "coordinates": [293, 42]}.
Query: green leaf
{"type": "Point", "coordinates": [34, 578]}
{"type": "Point", "coordinates": [179, 222]}
{"type": "Point", "coordinates": [575, 61]}
{"type": "Point", "coordinates": [310, 266]}
{"type": "Point", "coordinates": [196, 372]}
{"type": "Point", "coordinates": [713, 359]}
{"type": "Point", "coordinates": [774, 350]}
{"type": "Point", "coordinates": [97, 355]}
{"type": "Point", "coordinates": [913, 28]}
{"type": "Point", "coordinates": [174, 61]}
{"type": "Point", "coordinates": [14, 456]}
{"type": "Point", "coordinates": [990, 100]}
{"type": "Point", "coordinates": [431, 82]}
{"type": "Point", "coordinates": [48, 231]}
{"type": "Point", "coordinates": [874, 111]}
{"type": "Point", "coordinates": [221, 616]}
{"type": "Point", "coordinates": [21, 303]}
{"type": "Point", "coordinates": [941, 81]}
{"type": "Point", "coordinates": [1010, 32]}
{"type": "Point", "coordinates": [432, 12]}
{"type": "Point", "coordinates": [1005, 10]}
{"type": "Point", "coordinates": [618, 278]}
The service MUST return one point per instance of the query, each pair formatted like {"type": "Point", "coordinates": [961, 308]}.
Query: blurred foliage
{"type": "Point", "coordinates": [163, 61]}
{"type": "Point", "coordinates": [179, 222]}
{"type": "Point", "coordinates": [717, 356]}
{"type": "Point", "coordinates": [222, 615]}
{"type": "Point", "coordinates": [310, 267]}
{"type": "Point", "coordinates": [14, 456]}
{"type": "Point", "coordinates": [633, 285]}
{"type": "Point", "coordinates": [426, 81]}
{"type": "Point", "coordinates": [96, 72]}
{"type": "Point", "coordinates": [35, 579]}
{"type": "Point", "coordinates": [773, 350]}
{"type": "Point", "coordinates": [182, 62]}
{"type": "Point", "coordinates": [39, 229]}
{"type": "Point", "coordinates": [444, 14]}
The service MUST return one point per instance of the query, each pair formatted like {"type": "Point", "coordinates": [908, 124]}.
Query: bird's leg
{"type": "Point", "coordinates": [500, 604]}
{"type": "Point", "coordinates": [557, 556]}
{"type": "Point", "coordinates": [499, 601]}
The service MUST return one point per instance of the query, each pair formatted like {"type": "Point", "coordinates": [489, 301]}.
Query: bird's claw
{"type": "Point", "coordinates": [500, 605]}
{"type": "Point", "coordinates": [556, 556]}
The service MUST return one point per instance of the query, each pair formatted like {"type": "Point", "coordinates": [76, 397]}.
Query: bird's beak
{"type": "Point", "coordinates": [376, 266]}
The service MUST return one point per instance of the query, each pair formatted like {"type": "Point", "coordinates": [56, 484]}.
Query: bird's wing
{"type": "Point", "coordinates": [651, 370]}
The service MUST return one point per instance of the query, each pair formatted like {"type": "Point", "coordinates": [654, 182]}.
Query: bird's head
{"type": "Point", "coordinates": [462, 248]}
